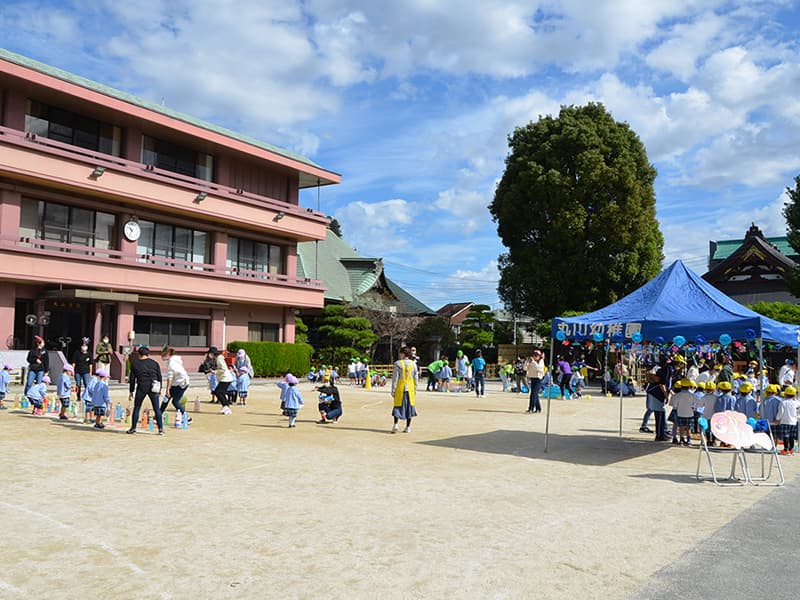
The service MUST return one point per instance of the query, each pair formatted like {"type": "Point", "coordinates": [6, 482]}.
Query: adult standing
{"type": "Point", "coordinates": [103, 354]}
{"type": "Point", "coordinates": [144, 381]}
{"type": "Point", "coordinates": [404, 389]}
{"type": "Point", "coordinates": [38, 363]}
{"type": "Point", "coordinates": [82, 363]}
{"type": "Point", "coordinates": [534, 369]}
{"type": "Point", "coordinates": [565, 369]}
{"type": "Point", "coordinates": [177, 381]}
{"type": "Point", "coordinates": [242, 361]}
{"type": "Point", "coordinates": [479, 374]}
{"type": "Point", "coordinates": [658, 392]}
{"type": "Point", "coordinates": [786, 375]}
{"type": "Point", "coordinates": [224, 378]}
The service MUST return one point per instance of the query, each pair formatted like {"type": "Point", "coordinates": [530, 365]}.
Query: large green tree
{"type": "Point", "coordinates": [576, 209]}
{"type": "Point", "coordinates": [791, 212]}
{"type": "Point", "coordinates": [477, 329]}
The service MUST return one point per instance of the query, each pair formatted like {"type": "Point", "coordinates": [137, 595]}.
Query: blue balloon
{"type": "Point", "coordinates": [560, 335]}
{"type": "Point", "coordinates": [752, 422]}
{"type": "Point", "coordinates": [597, 337]}
{"type": "Point", "coordinates": [750, 334]}
{"type": "Point", "coordinates": [679, 340]}
{"type": "Point", "coordinates": [703, 423]}
{"type": "Point", "coordinates": [637, 337]}
{"type": "Point", "coordinates": [700, 340]}
{"type": "Point", "coordinates": [724, 339]}
{"type": "Point", "coordinates": [659, 339]}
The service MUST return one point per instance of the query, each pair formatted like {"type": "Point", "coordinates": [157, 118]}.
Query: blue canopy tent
{"type": "Point", "coordinates": [677, 302]}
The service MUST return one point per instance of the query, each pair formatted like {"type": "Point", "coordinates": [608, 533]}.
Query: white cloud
{"type": "Point", "coordinates": [686, 43]}
{"type": "Point", "coordinates": [369, 226]}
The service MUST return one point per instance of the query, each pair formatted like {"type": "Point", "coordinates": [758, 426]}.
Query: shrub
{"type": "Point", "coordinates": [276, 358]}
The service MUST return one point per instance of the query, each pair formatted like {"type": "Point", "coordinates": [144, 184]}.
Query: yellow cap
{"type": "Point", "coordinates": [724, 386]}
{"type": "Point", "coordinates": [789, 392]}
{"type": "Point", "coordinates": [676, 385]}
{"type": "Point", "coordinates": [686, 382]}
{"type": "Point", "coordinates": [746, 387]}
{"type": "Point", "coordinates": [701, 385]}
{"type": "Point", "coordinates": [710, 386]}
{"type": "Point", "coordinates": [679, 359]}
{"type": "Point", "coordinates": [773, 388]}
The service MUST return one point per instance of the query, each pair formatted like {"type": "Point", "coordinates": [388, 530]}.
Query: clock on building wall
{"type": "Point", "coordinates": [131, 230]}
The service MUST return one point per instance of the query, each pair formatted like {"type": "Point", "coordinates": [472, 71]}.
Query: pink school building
{"type": "Point", "coordinates": [123, 218]}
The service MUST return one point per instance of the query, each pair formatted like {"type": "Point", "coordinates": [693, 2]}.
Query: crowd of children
{"type": "Point", "coordinates": [705, 391]}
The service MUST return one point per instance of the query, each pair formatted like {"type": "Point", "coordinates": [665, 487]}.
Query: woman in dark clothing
{"type": "Point", "coordinates": [145, 379]}
{"type": "Point", "coordinates": [38, 364]}
{"type": "Point", "coordinates": [82, 363]}
{"type": "Point", "coordinates": [330, 404]}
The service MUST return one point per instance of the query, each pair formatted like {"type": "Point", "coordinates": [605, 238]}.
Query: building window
{"type": "Point", "coordinates": [43, 220]}
{"type": "Point", "coordinates": [71, 128]}
{"type": "Point", "coordinates": [158, 332]}
{"type": "Point", "coordinates": [263, 332]}
{"type": "Point", "coordinates": [164, 241]}
{"type": "Point", "coordinates": [171, 157]}
{"type": "Point", "coordinates": [249, 258]}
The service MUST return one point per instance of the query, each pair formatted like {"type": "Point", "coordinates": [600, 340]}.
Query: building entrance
{"type": "Point", "coordinates": [68, 323]}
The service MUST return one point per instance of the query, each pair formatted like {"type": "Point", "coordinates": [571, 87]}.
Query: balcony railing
{"type": "Point", "coordinates": [122, 165]}
{"type": "Point", "coordinates": [150, 261]}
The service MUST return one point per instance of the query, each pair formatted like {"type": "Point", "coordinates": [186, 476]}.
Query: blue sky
{"type": "Point", "coordinates": [412, 102]}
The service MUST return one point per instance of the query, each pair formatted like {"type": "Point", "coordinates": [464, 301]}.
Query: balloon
{"type": "Point", "coordinates": [750, 334]}
{"type": "Point", "coordinates": [565, 343]}
{"type": "Point", "coordinates": [679, 340]}
{"type": "Point", "coordinates": [637, 337]}
{"type": "Point", "coordinates": [659, 339]}
{"type": "Point", "coordinates": [597, 337]}
{"type": "Point", "coordinates": [560, 335]}
{"type": "Point", "coordinates": [617, 337]}
{"type": "Point", "coordinates": [700, 340]}
{"type": "Point", "coordinates": [724, 339]}
{"type": "Point", "coordinates": [703, 423]}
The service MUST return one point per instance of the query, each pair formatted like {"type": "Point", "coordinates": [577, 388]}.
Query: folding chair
{"type": "Point", "coordinates": [737, 457]}
{"type": "Point", "coordinates": [774, 458]}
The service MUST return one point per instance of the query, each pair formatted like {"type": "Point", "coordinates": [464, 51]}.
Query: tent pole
{"type": "Point", "coordinates": [549, 400]}
{"type": "Point", "coordinates": [621, 388]}
{"type": "Point", "coordinates": [759, 374]}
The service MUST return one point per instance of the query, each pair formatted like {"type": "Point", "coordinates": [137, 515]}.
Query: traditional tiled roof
{"type": "Point", "coordinates": [349, 276]}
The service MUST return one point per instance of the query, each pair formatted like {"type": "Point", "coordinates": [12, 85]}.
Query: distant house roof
{"type": "Point", "coordinates": [352, 278]}
{"type": "Point", "coordinates": [455, 312]}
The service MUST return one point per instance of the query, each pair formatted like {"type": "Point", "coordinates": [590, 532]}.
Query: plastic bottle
{"type": "Point", "coordinates": [177, 420]}
{"type": "Point", "coordinates": [185, 422]}
{"type": "Point", "coordinates": [151, 423]}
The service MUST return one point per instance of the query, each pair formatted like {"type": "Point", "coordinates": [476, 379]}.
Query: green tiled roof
{"type": "Point", "coordinates": [348, 275]}
{"type": "Point", "coordinates": [727, 247]}
{"type": "Point", "coordinates": [24, 61]}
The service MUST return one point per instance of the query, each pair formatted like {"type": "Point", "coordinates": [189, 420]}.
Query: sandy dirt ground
{"type": "Point", "coordinates": [467, 505]}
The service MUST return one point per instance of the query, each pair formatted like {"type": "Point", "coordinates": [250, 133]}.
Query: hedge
{"type": "Point", "coordinates": [272, 359]}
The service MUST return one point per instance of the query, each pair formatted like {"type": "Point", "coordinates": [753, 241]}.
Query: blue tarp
{"type": "Point", "coordinates": [676, 303]}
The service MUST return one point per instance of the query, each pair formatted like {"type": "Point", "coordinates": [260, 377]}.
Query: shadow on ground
{"type": "Point", "coordinates": [599, 450]}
